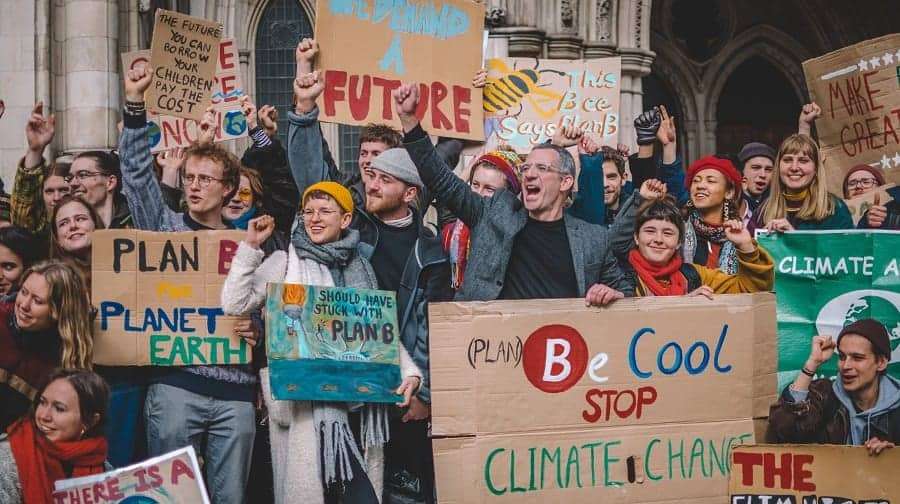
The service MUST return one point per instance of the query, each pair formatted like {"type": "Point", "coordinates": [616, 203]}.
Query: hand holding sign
{"type": "Point", "coordinates": [877, 213]}
{"type": "Point", "coordinates": [137, 80]}
{"type": "Point", "coordinates": [876, 446]}
{"type": "Point", "coordinates": [208, 127]}
{"type": "Point", "coordinates": [601, 295]}
{"type": "Point", "coordinates": [407, 388]}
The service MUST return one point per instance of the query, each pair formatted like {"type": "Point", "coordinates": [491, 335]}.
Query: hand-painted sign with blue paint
{"type": "Point", "coordinates": [369, 47]}
{"type": "Point", "coordinates": [526, 100]}
{"type": "Point", "coordinates": [158, 298]}
{"type": "Point", "coordinates": [332, 344]}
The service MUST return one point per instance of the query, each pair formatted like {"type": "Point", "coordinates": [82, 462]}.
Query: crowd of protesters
{"type": "Point", "coordinates": [515, 228]}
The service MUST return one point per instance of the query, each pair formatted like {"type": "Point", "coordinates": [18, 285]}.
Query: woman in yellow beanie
{"type": "Point", "coordinates": [310, 434]}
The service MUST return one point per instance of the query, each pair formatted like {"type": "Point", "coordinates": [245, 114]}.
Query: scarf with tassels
{"type": "Point", "coordinates": [455, 240]}
{"type": "Point", "coordinates": [41, 462]}
{"type": "Point", "coordinates": [338, 264]}
{"type": "Point", "coordinates": [728, 258]}
{"type": "Point", "coordinates": [664, 280]}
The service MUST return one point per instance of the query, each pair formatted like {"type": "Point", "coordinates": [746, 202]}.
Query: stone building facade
{"type": "Point", "coordinates": [730, 70]}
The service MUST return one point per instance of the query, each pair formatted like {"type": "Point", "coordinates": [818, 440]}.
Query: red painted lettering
{"type": "Point", "coordinates": [387, 101]}
{"type": "Point", "coordinates": [624, 403]}
{"type": "Point", "coordinates": [438, 119]}
{"type": "Point", "coordinates": [180, 468]}
{"type": "Point", "coordinates": [771, 470]}
{"type": "Point", "coordinates": [227, 249]}
{"type": "Point", "coordinates": [870, 91]}
{"type": "Point", "coordinates": [335, 80]}
{"type": "Point", "coordinates": [226, 54]}
{"type": "Point", "coordinates": [747, 461]}
{"type": "Point", "coordinates": [360, 96]}
{"type": "Point", "coordinates": [155, 479]}
{"type": "Point", "coordinates": [423, 101]}
{"type": "Point", "coordinates": [461, 96]}
{"type": "Point", "coordinates": [226, 83]}
{"type": "Point", "coordinates": [142, 484]}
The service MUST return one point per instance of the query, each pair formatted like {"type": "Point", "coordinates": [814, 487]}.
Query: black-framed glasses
{"type": "Point", "coordinates": [863, 183]}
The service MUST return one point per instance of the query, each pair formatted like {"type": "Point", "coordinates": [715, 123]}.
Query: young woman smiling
{"type": "Point", "coordinates": [47, 326]}
{"type": "Point", "coordinates": [19, 249]}
{"type": "Point", "coordinates": [715, 198]}
{"type": "Point", "coordinates": [799, 198]}
{"type": "Point", "coordinates": [72, 224]}
{"type": "Point", "coordinates": [60, 438]}
{"type": "Point", "coordinates": [657, 264]}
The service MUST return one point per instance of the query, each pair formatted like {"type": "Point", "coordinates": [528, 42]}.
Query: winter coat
{"type": "Point", "coordinates": [426, 275]}
{"type": "Point", "coordinates": [825, 416]}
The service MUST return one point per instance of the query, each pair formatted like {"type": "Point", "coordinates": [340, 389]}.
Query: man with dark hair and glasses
{"type": "Point", "coordinates": [96, 177]}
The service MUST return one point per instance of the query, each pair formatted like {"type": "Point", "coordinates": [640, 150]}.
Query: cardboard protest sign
{"type": "Point", "coordinates": [169, 132]}
{"type": "Point", "coordinates": [858, 89]}
{"type": "Point", "coordinates": [859, 205]}
{"type": "Point", "coordinates": [525, 100]}
{"type": "Point", "coordinates": [183, 54]}
{"type": "Point", "coordinates": [173, 477]}
{"type": "Point", "coordinates": [826, 280]}
{"type": "Point", "coordinates": [520, 389]}
{"type": "Point", "coordinates": [435, 44]}
{"type": "Point", "coordinates": [332, 344]}
{"type": "Point", "coordinates": [158, 298]}
{"type": "Point", "coordinates": [813, 474]}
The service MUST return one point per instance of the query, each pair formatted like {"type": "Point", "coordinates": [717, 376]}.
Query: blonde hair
{"type": "Point", "coordinates": [71, 309]}
{"type": "Point", "coordinates": [819, 204]}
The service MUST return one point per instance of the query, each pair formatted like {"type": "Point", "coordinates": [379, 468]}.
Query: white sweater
{"type": "Point", "coordinates": [294, 440]}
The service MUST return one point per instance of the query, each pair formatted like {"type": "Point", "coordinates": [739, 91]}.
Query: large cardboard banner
{"type": "Point", "coordinates": [826, 280]}
{"type": "Point", "coordinates": [171, 478]}
{"type": "Point", "coordinates": [158, 298]}
{"type": "Point", "coordinates": [183, 54]}
{"type": "Point", "coordinates": [332, 344]}
{"type": "Point", "coordinates": [169, 132]}
{"type": "Point", "coordinates": [549, 401]}
{"type": "Point", "coordinates": [435, 43]}
{"type": "Point", "coordinates": [858, 89]}
{"type": "Point", "coordinates": [813, 474]}
{"type": "Point", "coordinates": [527, 99]}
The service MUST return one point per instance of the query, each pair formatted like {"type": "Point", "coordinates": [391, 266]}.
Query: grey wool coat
{"type": "Point", "coordinates": [495, 222]}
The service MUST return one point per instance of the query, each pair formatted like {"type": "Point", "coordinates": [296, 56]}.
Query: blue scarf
{"type": "Point", "coordinates": [241, 222]}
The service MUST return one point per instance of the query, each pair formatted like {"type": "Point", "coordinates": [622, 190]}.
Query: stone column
{"type": "Point", "coordinates": [91, 68]}
{"type": "Point", "coordinates": [633, 35]}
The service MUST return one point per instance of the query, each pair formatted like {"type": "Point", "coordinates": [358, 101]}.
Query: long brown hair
{"type": "Point", "coordinates": [70, 309]}
{"type": "Point", "coordinates": [93, 397]}
{"type": "Point", "coordinates": [819, 204]}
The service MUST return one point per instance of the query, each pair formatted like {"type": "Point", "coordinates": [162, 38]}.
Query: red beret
{"type": "Point", "coordinates": [722, 165]}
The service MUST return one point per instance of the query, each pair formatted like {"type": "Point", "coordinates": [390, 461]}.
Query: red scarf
{"type": "Point", "coordinates": [653, 275]}
{"type": "Point", "coordinates": [40, 461]}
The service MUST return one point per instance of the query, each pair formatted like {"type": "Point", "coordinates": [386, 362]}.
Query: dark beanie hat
{"type": "Point", "coordinates": [753, 149]}
{"type": "Point", "coordinates": [873, 331]}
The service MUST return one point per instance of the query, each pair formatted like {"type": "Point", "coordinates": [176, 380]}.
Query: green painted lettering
{"type": "Point", "coordinates": [717, 460]}
{"type": "Point", "coordinates": [697, 452]}
{"type": "Point", "coordinates": [647, 470]}
{"type": "Point", "coordinates": [573, 459]}
{"type": "Point", "coordinates": [607, 460]}
{"type": "Point", "coordinates": [591, 447]}
{"type": "Point", "coordinates": [194, 351]}
{"type": "Point", "coordinates": [156, 350]}
{"type": "Point", "coordinates": [554, 458]}
{"type": "Point", "coordinates": [679, 455]}
{"type": "Point", "coordinates": [487, 473]}
{"type": "Point", "coordinates": [228, 353]}
{"type": "Point", "coordinates": [512, 474]}
{"type": "Point", "coordinates": [531, 468]}
{"type": "Point", "coordinates": [179, 348]}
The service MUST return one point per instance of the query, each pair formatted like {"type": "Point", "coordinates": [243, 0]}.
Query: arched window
{"type": "Point", "coordinates": [282, 26]}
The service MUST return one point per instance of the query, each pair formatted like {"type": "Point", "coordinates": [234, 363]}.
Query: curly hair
{"type": "Point", "coordinates": [231, 166]}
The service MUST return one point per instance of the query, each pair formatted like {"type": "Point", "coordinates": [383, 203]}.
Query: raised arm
{"type": "Point", "coordinates": [448, 189]}
{"type": "Point", "coordinates": [26, 208]}
{"type": "Point", "coordinates": [139, 183]}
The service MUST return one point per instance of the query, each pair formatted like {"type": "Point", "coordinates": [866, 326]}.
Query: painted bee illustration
{"type": "Point", "coordinates": [507, 91]}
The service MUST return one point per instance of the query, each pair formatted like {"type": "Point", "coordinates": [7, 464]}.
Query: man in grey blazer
{"type": "Point", "coordinates": [524, 248]}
